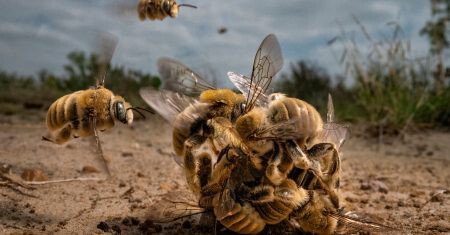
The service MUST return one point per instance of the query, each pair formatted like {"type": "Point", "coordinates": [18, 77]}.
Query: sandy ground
{"type": "Point", "coordinates": [394, 182]}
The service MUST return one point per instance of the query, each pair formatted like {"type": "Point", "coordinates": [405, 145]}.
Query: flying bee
{"type": "Point", "coordinates": [197, 121]}
{"type": "Point", "coordinates": [159, 9]}
{"type": "Point", "coordinates": [83, 113]}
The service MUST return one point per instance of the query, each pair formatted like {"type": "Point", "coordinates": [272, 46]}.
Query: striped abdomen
{"type": "Point", "coordinates": [72, 115]}
{"type": "Point", "coordinates": [309, 120]}
{"type": "Point", "coordinates": [243, 219]}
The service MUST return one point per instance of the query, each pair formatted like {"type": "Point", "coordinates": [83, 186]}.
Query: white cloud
{"type": "Point", "coordinates": [39, 34]}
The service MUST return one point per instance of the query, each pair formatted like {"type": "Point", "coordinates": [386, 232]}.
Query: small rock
{"type": "Point", "coordinates": [401, 203]}
{"type": "Point", "coordinates": [89, 169]}
{"type": "Point", "coordinates": [34, 175]}
{"type": "Point", "coordinates": [364, 201]}
{"type": "Point", "coordinates": [166, 186]}
{"type": "Point", "coordinates": [135, 221]}
{"type": "Point", "coordinates": [365, 185]}
{"type": "Point", "coordinates": [388, 207]}
{"type": "Point", "coordinates": [122, 184]}
{"type": "Point", "coordinates": [32, 211]}
{"type": "Point", "coordinates": [116, 228]}
{"type": "Point", "coordinates": [126, 221]}
{"type": "Point", "coordinates": [127, 154]}
{"type": "Point", "coordinates": [103, 226]}
{"type": "Point", "coordinates": [430, 153]}
{"type": "Point", "coordinates": [375, 185]}
{"type": "Point", "coordinates": [139, 174]}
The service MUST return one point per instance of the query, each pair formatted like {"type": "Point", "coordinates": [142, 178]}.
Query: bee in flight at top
{"type": "Point", "coordinates": [159, 9]}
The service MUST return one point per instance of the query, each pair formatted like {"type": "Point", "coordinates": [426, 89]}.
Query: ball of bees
{"type": "Point", "coordinates": [252, 158]}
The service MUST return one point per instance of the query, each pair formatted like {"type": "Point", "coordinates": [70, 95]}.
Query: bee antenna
{"type": "Point", "coordinates": [147, 110]}
{"type": "Point", "coordinates": [137, 111]}
{"type": "Point", "coordinates": [187, 5]}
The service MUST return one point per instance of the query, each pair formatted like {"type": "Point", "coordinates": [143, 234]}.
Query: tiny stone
{"type": "Point", "coordinates": [122, 184]}
{"type": "Point", "coordinates": [116, 228]}
{"type": "Point", "coordinates": [365, 186]}
{"type": "Point", "coordinates": [388, 207]}
{"type": "Point", "coordinates": [32, 211]}
{"type": "Point", "coordinates": [135, 221]}
{"type": "Point", "coordinates": [139, 174]}
{"type": "Point", "coordinates": [126, 221]}
{"type": "Point", "coordinates": [400, 203]}
{"type": "Point", "coordinates": [103, 226]}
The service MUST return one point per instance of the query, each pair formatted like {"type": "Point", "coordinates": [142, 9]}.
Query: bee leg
{"type": "Point", "coordinates": [256, 195]}
{"type": "Point", "coordinates": [193, 165]}
{"type": "Point", "coordinates": [93, 122]}
{"type": "Point", "coordinates": [278, 166]}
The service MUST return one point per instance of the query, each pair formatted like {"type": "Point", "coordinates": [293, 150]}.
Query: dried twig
{"type": "Point", "coordinates": [64, 181]}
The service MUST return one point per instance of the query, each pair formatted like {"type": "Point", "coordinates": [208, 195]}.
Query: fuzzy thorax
{"type": "Point", "coordinates": [224, 101]}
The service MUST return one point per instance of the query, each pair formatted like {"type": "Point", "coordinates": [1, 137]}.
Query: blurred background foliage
{"type": "Point", "coordinates": [20, 94]}
{"type": "Point", "coordinates": [383, 86]}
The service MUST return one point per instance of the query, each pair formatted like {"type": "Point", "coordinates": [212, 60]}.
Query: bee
{"type": "Point", "coordinates": [159, 9]}
{"type": "Point", "coordinates": [83, 113]}
{"type": "Point", "coordinates": [211, 117]}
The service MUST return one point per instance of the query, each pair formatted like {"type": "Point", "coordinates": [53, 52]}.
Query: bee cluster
{"type": "Point", "coordinates": [254, 159]}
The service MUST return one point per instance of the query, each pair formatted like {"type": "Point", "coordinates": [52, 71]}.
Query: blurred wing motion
{"type": "Point", "coordinates": [333, 132]}
{"type": "Point", "coordinates": [268, 61]}
{"type": "Point", "coordinates": [178, 77]}
{"type": "Point", "coordinates": [352, 223]}
{"type": "Point", "coordinates": [108, 43]}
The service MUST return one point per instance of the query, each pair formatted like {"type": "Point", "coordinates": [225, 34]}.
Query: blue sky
{"type": "Point", "coordinates": [39, 34]}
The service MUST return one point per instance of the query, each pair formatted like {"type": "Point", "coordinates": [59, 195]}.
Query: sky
{"type": "Point", "coordinates": [37, 35]}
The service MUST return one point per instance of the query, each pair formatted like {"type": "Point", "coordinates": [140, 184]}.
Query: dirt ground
{"type": "Point", "coordinates": [404, 183]}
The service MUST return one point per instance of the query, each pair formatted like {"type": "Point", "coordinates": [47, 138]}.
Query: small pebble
{"type": "Point", "coordinates": [103, 226]}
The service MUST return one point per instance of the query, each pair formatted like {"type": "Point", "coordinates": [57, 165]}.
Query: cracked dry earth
{"type": "Point", "coordinates": [402, 183]}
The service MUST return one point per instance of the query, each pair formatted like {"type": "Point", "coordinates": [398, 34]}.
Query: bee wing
{"type": "Point", "coordinates": [351, 223]}
{"type": "Point", "coordinates": [243, 84]}
{"type": "Point", "coordinates": [286, 130]}
{"type": "Point", "coordinates": [108, 43]}
{"type": "Point", "coordinates": [178, 77]}
{"type": "Point", "coordinates": [333, 132]}
{"type": "Point", "coordinates": [166, 103]}
{"type": "Point", "coordinates": [268, 61]}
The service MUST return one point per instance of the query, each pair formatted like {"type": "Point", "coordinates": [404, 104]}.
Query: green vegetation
{"type": "Point", "coordinates": [21, 94]}
{"type": "Point", "coordinates": [390, 89]}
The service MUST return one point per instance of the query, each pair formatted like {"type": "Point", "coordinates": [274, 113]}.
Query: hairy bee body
{"type": "Point", "coordinates": [212, 103]}
{"type": "Point", "coordinates": [313, 216]}
{"type": "Point", "coordinates": [72, 114]}
{"type": "Point", "coordinates": [240, 218]}
{"type": "Point", "coordinates": [158, 9]}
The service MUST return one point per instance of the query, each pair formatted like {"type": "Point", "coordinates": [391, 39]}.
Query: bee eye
{"type": "Point", "coordinates": [166, 6]}
{"type": "Point", "coordinates": [120, 112]}
{"type": "Point", "coordinates": [242, 107]}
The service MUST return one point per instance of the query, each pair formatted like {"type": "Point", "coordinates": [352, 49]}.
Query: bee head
{"type": "Point", "coordinates": [224, 103]}
{"type": "Point", "coordinates": [170, 8]}
{"type": "Point", "coordinates": [122, 110]}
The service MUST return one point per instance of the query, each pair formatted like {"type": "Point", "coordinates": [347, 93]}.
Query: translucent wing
{"type": "Point", "coordinates": [244, 85]}
{"type": "Point", "coordinates": [353, 223]}
{"type": "Point", "coordinates": [268, 61]}
{"type": "Point", "coordinates": [168, 104]}
{"type": "Point", "coordinates": [178, 77]}
{"type": "Point", "coordinates": [108, 43]}
{"type": "Point", "coordinates": [287, 130]}
{"type": "Point", "coordinates": [333, 132]}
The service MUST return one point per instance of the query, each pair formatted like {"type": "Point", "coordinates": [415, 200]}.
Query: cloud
{"type": "Point", "coordinates": [39, 34]}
